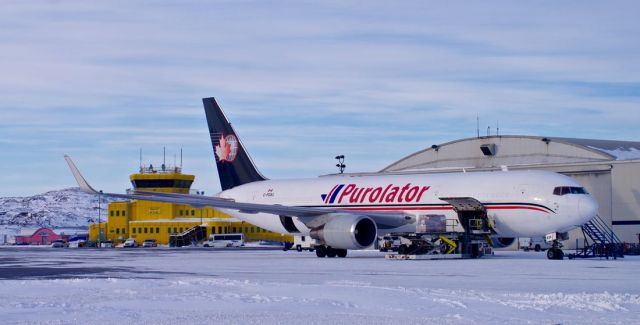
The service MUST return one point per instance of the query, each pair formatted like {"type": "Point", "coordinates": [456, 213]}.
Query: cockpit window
{"type": "Point", "coordinates": [562, 190]}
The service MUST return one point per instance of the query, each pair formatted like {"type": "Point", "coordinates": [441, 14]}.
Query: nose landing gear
{"type": "Point", "coordinates": [555, 253]}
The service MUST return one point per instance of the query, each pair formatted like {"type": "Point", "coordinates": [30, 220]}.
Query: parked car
{"type": "Point", "coordinates": [107, 244]}
{"type": "Point", "coordinates": [130, 243]}
{"type": "Point", "coordinates": [225, 240]}
{"type": "Point", "coordinates": [59, 244]}
{"type": "Point", "coordinates": [77, 243]}
{"type": "Point", "coordinates": [149, 243]}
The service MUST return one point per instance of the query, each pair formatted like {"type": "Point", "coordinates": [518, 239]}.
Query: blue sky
{"type": "Point", "coordinates": [301, 81]}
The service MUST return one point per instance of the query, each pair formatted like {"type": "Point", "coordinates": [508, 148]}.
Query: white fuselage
{"type": "Point", "coordinates": [521, 203]}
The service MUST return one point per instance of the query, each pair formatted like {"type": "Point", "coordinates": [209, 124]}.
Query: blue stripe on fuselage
{"type": "Point", "coordinates": [335, 193]}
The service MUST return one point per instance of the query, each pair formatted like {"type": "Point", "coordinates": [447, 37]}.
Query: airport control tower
{"type": "Point", "coordinates": [168, 180]}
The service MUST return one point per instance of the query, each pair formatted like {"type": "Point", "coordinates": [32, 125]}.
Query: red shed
{"type": "Point", "coordinates": [42, 236]}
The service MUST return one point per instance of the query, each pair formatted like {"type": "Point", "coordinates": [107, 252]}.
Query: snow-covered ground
{"type": "Point", "coordinates": [197, 286]}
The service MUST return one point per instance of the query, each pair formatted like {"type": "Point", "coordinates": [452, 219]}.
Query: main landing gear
{"type": "Point", "coordinates": [323, 250]}
{"type": "Point", "coordinates": [555, 253]}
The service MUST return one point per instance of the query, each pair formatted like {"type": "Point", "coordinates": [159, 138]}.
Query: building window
{"type": "Point", "coordinates": [193, 212]}
{"type": "Point", "coordinates": [219, 230]}
{"type": "Point", "coordinates": [145, 230]}
{"type": "Point", "coordinates": [168, 230]}
{"type": "Point", "coordinates": [213, 230]}
{"type": "Point", "coordinates": [118, 231]}
{"type": "Point", "coordinates": [139, 230]}
{"type": "Point", "coordinates": [118, 213]}
{"type": "Point", "coordinates": [124, 213]}
{"type": "Point", "coordinates": [175, 230]}
{"type": "Point", "coordinates": [252, 229]}
{"type": "Point", "coordinates": [181, 213]}
{"type": "Point", "coordinates": [133, 230]}
{"type": "Point", "coordinates": [111, 213]}
{"type": "Point", "coordinates": [157, 230]}
{"type": "Point", "coordinates": [180, 229]}
{"type": "Point", "coordinates": [124, 231]}
{"type": "Point", "coordinates": [151, 230]}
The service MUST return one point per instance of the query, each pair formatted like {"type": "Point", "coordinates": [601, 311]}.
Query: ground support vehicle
{"type": "Point", "coordinates": [535, 243]}
{"type": "Point", "coordinates": [304, 243]}
{"type": "Point", "coordinates": [435, 238]}
{"type": "Point", "coordinates": [389, 243]}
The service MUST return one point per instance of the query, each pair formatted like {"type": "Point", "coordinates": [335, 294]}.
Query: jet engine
{"type": "Point", "coordinates": [347, 231]}
{"type": "Point", "coordinates": [500, 242]}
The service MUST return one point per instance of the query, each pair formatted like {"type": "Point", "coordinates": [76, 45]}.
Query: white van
{"type": "Point", "coordinates": [225, 240]}
{"type": "Point", "coordinates": [303, 243]}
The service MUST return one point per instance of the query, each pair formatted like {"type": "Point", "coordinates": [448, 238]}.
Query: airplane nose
{"type": "Point", "coordinates": [587, 207]}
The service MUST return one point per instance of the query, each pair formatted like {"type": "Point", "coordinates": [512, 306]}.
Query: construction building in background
{"type": "Point", "coordinates": [160, 221]}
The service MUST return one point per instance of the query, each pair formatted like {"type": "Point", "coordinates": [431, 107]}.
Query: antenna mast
{"type": "Point", "coordinates": [478, 125]}
{"type": "Point", "coordinates": [164, 158]}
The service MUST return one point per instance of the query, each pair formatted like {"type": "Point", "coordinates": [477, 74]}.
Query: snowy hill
{"type": "Point", "coordinates": [67, 208]}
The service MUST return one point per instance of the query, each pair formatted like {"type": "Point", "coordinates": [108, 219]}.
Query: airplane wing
{"type": "Point", "coordinates": [311, 216]}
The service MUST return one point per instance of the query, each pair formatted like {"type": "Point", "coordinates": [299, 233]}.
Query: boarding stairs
{"type": "Point", "coordinates": [189, 237]}
{"type": "Point", "coordinates": [599, 241]}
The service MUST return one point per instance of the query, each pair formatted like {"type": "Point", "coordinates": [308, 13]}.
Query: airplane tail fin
{"type": "Point", "coordinates": [235, 167]}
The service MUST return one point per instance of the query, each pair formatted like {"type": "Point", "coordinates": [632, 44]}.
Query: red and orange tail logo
{"type": "Point", "coordinates": [227, 148]}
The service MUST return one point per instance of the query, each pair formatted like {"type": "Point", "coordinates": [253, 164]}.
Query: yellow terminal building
{"type": "Point", "coordinates": [143, 220]}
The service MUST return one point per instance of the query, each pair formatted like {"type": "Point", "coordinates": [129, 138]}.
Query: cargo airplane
{"type": "Point", "coordinates": [345, 211]}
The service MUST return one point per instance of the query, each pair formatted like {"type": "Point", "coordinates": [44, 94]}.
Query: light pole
{"type": "Point", "coordinates": [99, 223]}
{"type": "Point", "coordinates": [340, 163]}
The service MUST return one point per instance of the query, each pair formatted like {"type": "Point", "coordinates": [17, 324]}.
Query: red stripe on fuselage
{"type": "Point", "coordinates": [413, 208]}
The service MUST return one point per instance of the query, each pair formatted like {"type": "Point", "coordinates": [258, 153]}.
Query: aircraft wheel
{"type": "Point", "coordinates": [559, 254]}
{"type": "Point", "coordinates": [551, 253]}
{"type": "Point", "coordinates": [299, 248]}
{"type": "Point", "coordinates": [537, 248]}
{"type": "Point", "coordinates": [331, 252]}
{"type": "Point", "coordinates": [403, 249]}
{"type": "Point", "coordinates": [321, 251]}
{"type": "Point", "coordinates": [341, 252]}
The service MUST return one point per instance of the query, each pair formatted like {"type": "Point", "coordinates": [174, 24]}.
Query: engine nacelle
{"type": "Point", "coordinates": [347, 231]}
{"type": "Point", "coordinates": [501, 242]}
